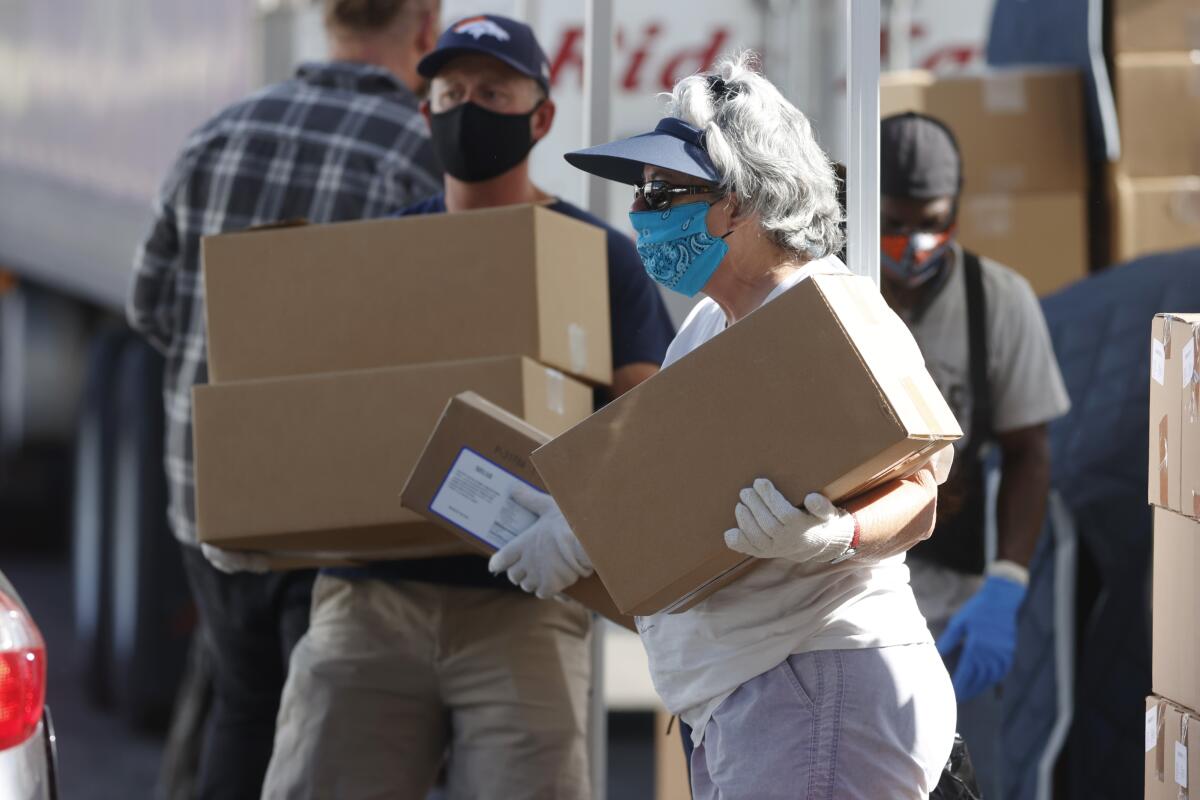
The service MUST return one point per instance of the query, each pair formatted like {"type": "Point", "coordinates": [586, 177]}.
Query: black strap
{"type": "Point", "coordinates": [977, 344]}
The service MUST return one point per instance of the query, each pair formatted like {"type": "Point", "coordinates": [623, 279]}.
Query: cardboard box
{"type": "Point", "coordinates": [1174, 434]}
{"type": "Point", "coordinates": [1020, 130]}
{"type": "Point", "coordinates": [1150, 215]}
{"type": "Point", "coordinates": [822, 389]}
{"type": "Point", "coordinates": [1155, 25]}
{"type": "Point", "coordinates": [1172, 751]}
{"type": "Point", "coordinates": [519, 280]}
{"type": "Point", "coordinates": [316, 463]}
{"type": "Point", "coordinates": [1158, 107]}
{"type": "Point", "coordinates": [1001, 226]}
{"type": "Point", "coordinates": [464, 478]}
{"type": "Point", "coordinates": [1175, 650]}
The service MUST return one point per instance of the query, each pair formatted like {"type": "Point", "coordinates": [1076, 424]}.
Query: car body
{"type": "Point", "coordinates": [28, 768]}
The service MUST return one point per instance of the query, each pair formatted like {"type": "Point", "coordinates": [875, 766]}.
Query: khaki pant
{"type": "Point", "coordinates": [392, 679]}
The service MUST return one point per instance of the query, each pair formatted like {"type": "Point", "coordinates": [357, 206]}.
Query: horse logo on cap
{"type": "Point", "coordinates": [480, 27]}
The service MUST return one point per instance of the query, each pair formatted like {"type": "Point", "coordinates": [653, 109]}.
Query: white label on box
{"type": "Point", "coordinates": [577, 342]}
{"type": "Point", "coordinates": [1004, 94]}
{"type": "Point", "coordinates": [1189, 355]}
{"type": "Point", "coordinates": [556, 391]}
{"type": "Point", "coordinates": [1158, 362]}
{"type": "Point", "coordinates": [1181, 765]}
{"type": "Point", "coordinates": [476, 495]}
{"type": "Point", "coordinates": [1151, 728]}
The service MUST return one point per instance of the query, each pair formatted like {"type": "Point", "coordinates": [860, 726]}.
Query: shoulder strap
{"type": "Point", "coordinates": [981, 389]}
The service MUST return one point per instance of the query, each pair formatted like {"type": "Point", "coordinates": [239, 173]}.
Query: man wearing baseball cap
{"type": "Point", "coordinates": [985, 343]}
{"type": "Point", "coordinates": [409, 664]}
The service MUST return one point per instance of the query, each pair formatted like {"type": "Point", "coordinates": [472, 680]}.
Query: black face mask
{"type": "Point", "coordinates": [475, 144]}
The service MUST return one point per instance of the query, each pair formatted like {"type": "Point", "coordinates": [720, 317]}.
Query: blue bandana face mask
{"type": "Point", "coordinates": [676, 247]}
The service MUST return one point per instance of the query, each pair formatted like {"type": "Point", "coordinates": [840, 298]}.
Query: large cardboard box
{"type": "Point", "coordinates": [1020, 130]}
{"type": "Point", "coordinates": [464, 479]}
{"type": "Point", "coordinates": [1172, 751]}
{"type": "Point", "coordinates": [1150, 215]}
{"type": "Point", "coordinates": [1174, 434]}
{"type": "Point", "coordinates": [1175, 649]}
{"type": "Point", "coordinates": [1158, 107]}
{"type": "Point", "coordinates": [822, 389]}
{"type": "Point", "coordinates": [314, 465]}
{"type": "Point", "coordinates": [1155, 25]}
{"type": "Point", "coordinates": [519, 280]}
{"type": "Point", "coordinates": [1001, 226]}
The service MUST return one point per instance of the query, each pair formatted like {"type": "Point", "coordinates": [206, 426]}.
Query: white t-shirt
{"type": "Point", "coordinates": [699, 657]}
{"type": "Point", "coordinates": [1027, 387]}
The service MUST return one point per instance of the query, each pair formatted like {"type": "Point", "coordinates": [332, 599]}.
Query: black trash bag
{"type": "Point", "coordinates": [958, 776]}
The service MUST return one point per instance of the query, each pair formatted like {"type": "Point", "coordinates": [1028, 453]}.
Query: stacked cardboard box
{"type": "Point", "coordinates": [649, 482]}
{"type": "Point", "coordinates": [1172, 722]}
{"type": "Point", "coordinates": [1021, 132]}
{"type": "Point", "coordinates": [1155, 186]}
{"type": "Point", "coordinates": [334, 348]}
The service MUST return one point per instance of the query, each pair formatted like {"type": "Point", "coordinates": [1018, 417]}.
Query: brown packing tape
{"type": "Point", "coordinates": [914, 394]}
{"type": "Point", "coordinates": [1184, 723]}
{"type": "Point", "coordinates": [1192, 390]}
{"type": "Point", "coordinates": [1164, 475]}
{"type": "Point", "coordinates": [1160, 749]}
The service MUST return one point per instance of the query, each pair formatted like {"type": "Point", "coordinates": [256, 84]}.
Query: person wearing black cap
{"type": "Point", "coordinates": [985, 342]}
{"type": "Point", "coordinates": [410, 663]}
{"type": "Point", "coordinates": [813, 675]}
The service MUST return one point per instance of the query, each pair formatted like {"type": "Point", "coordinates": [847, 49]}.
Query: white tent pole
{"type": "Point", "coordinates": [862, 90]}
{"type": "Point", "coordinates": [597, 128]}
{"type": "Point", "coordinates": [597, 95]}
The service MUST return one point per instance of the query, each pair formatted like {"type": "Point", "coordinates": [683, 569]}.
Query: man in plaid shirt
{"type": "Point", "coordinates": [341, 140]}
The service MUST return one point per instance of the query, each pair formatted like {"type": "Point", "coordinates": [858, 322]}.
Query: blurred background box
{"type": "Point", "coordinates": [1151, 215]}
{"type": "Point", "coordinates": [1003, 226]}
{"type": "Point", "coordinates": [1154, 25]}
{"type": "Point", "coordinates": [1158, 105]}
{"type": "Point", "coordinates": [1020, 129]}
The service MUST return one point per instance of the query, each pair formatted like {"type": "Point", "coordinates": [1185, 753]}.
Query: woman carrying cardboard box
{"type": "Point", "coordinates": [813, 675]}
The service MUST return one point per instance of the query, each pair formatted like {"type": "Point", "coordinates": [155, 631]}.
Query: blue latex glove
{"type": "Point", "coordinates": [985, 629]}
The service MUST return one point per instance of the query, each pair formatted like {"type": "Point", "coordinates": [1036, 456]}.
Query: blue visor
{"type": "Point", "coordinates": [673, 145]}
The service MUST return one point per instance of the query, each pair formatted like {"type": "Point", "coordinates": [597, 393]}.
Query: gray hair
{"type": "Point", "coordinates": [765, 151]}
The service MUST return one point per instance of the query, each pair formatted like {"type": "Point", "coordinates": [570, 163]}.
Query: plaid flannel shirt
{"type": "Point", "coordinates": [339, 141]}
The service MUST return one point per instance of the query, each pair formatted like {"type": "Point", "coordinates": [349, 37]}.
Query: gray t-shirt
{"type": "Point", "coordinates": [1027, 387]}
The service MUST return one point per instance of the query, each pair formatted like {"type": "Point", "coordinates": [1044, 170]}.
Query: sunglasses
{"type": "Point", "coordinates": [657, 194]}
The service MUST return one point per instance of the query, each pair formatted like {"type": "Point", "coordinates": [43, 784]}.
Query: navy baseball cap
{"type": "Point", "coordinates": [500, 37]}
{"type": "Point", "coordinates": [673, 145]}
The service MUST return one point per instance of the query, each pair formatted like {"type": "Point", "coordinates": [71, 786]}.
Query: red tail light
{"type": "Point", "coordinates": [22, 673]}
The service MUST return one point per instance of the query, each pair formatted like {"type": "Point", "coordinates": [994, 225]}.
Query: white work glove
{"type": "Point", "coordinates": [771, 527]}
{"type": "Point", "coordinates": [546, 557]}
{"type": "Point", "coordinates": [231, 561]}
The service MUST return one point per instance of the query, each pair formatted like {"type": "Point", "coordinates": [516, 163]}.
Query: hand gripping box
{"type": "Point", "coordinates": [463, 482]}
{"type": "Point", "coordinates": [519, 280]}
{"type": "Point", "coordinates": [1174, 434]}
{"type": "Point", "coordinates": [312, 467]}
{"type": "Point", "coordinates": [822, 389]}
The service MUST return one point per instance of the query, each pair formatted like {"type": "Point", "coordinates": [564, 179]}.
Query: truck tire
{"type": "Point", "coordinates": [152, 616]}
{"type": "Point", "coordinates": [92, 493]}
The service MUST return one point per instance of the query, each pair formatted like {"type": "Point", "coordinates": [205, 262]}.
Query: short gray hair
{"type": "Point", "coordinates": [765, 151]}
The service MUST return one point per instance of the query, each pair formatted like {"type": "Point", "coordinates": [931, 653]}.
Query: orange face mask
{"type": "Point", "coordinates": [914, 259]}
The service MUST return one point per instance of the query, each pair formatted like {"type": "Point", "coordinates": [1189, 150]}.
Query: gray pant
{"type": "Point", "coordinates": [832, 725]}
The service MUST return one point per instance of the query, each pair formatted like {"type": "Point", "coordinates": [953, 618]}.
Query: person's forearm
{"type": "Point", "coordinates": [896, 516]}
{"type": "Point", "coordinates": [1021, 505]}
